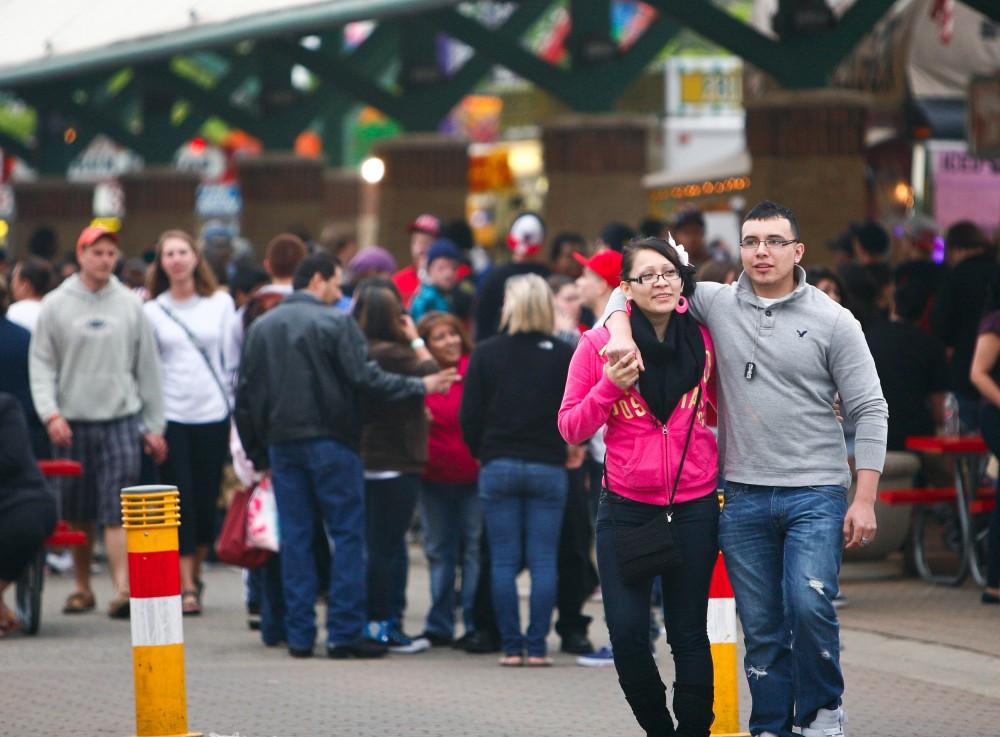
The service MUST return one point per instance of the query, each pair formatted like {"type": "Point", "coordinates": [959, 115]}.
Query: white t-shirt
{"type": "Point", "coordinates": [25, 313]}
{"type": "Point", "coordinates": [190, 393]}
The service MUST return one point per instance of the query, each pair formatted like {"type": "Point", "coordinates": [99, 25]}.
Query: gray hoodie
{"type": "Point", "coordinates": [778, 428]}
{"type": "Point", "coordinates": [93, 357]}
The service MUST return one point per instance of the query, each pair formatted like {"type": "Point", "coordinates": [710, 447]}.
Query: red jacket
{"type": "Point", "coordinates": [642, 455]}
{"type": "Point", "coordinates": [449, 460]}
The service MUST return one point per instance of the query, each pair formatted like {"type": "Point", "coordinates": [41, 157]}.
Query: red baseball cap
{"type": "Point", "coordinates": [606, 264]}
{"type": "Point", "coordinates": [93, 233]}
{"type": "Point", "coordinates": [425, 224]}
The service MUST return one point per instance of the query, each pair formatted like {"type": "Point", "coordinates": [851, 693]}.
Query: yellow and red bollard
{"type": "Point", "coordinates": [151, 516]}
{"type": "Point", "coordinates": [722, 635]}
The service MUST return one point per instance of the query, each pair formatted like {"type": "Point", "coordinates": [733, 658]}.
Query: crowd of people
{"type": "Point", "coordinates": [548, 412]}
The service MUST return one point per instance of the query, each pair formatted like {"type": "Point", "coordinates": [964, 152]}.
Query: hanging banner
{"type": "Point", "coordinates": [966, 188]}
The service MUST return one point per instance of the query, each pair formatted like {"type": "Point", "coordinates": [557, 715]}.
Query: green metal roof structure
{"type": "Point", "coordinates": [150, 76]}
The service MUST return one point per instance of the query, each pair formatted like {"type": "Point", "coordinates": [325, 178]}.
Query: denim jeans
{"type": "Point", "coordinates": [389, 505]}
{"type": "Point", "coordinates": [783, 548]}
{"type": "Point", "coordinates": [321, 476]}
{"type": "Point", "coordinates": [452, 519]}
{"type": "Point", "coordinates": [685, 612]}
{"type": "Point", "coordinates": [523, 508]}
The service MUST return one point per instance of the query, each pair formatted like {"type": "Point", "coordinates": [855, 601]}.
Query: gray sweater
{"type": "Point", "coordinates": [779, 429]}
{"type": "Point", "coordinates": [93, 357]}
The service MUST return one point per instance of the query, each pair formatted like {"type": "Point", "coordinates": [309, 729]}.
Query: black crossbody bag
{"type": "Point", "coordinates": [651, 549]}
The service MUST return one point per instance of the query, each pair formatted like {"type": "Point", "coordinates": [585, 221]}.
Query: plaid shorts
{"type": "Point", "coordinates": [111, 456]}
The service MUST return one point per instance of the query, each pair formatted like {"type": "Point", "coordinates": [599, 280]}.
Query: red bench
{"type": "Point", "coordinates": [984, 502]}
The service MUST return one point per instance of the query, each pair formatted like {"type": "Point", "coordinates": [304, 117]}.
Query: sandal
{"type": "Point", "coordinates": [119, 607]}
{"type": "Point", "coordinates": [512, 661]}
{"type": "Point", "coordinates": [79, 602]}
{"type": "Point", "coordinates": [190, 604]}
{"type": "Point", "coordinates": [8, 621]}
{"type": "Point", "coordinates": [539, 661]}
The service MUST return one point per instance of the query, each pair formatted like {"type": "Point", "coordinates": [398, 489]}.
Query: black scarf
{"type": "Point", "coordinates": [673, 366]}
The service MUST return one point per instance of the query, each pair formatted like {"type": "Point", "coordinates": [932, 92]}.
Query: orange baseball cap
{"type": "Point", "coordinates": [93, 233]}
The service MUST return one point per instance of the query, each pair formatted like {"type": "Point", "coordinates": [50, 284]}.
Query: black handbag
{"type": "Point", "coordinates": [652, 549]}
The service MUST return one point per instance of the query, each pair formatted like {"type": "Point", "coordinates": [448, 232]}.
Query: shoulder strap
{"type": "Point", "coordinates": [201, 350]}
{"type": "Point", "coordinates": [687, 442]}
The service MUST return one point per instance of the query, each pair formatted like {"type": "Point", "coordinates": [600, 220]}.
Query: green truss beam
{"type": "Point", "coordinates": [801, 62]}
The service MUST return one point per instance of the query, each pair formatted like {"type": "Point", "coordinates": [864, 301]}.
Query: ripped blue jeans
{"type": "Point", "coordinates": [783, 549]}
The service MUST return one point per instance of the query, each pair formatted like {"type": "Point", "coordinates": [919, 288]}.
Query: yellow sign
{"type": "Point", "coordinates": [712, 88]}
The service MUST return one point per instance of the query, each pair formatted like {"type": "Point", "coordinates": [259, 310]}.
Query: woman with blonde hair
{"type": "Point", "coordinates": [193, 324]}
{"type": "Point", "coordinates": [513, 388]}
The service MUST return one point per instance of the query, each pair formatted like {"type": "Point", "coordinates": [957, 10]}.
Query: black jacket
{"type": "Point", "coordinates": [303, 369]}
{"type": "Point", "coordinates": [510, 403]}
{"type": "Point", "coordinates": [20, 480]}
{"type": "Point", "coordinates": [957, 313]}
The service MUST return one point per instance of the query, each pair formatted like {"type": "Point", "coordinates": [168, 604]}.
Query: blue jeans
{"type": "Point", "coordinates": [783, 548]}
{"type": "Point", "coordinates": [321, 476]}
{"type": "Point", "coordinates": [523, 508]}
{"type": "Point", "coordinates": [452, 518]}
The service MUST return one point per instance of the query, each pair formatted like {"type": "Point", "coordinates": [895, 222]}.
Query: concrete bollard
{"type": "Point", "coordinates": [151, 516]}
{"type": "Point", "coordinates": [722, 635]}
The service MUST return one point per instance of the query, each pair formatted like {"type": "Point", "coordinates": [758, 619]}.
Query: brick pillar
{"type": "Point", "coordinates": [423, 173]}
{"type": "Point", "coordinates": [595, 165]}
{"type": "Point", "coordinates": [808, 153]}
{"type": "Point", "coordinates": [351, 204]}
{"type": "Point", "coordinates": [281, 192]}
{"type": "Point", "coordinates": [64, 206]}
{"type": "Point", "coordinates": [157, 199]}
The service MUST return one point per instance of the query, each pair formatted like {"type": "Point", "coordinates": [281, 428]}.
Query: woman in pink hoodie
{"type": "Point", "coordinates": [661, 458]}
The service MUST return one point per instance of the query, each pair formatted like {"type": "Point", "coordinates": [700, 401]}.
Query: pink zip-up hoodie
{"type": "Point", "coordinates": [643, 454]}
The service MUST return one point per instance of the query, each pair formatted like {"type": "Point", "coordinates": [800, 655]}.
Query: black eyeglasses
{"type": "Point", "coordinates": [752, 244]}
{"type": "Point", "coordinates": [648, 279]}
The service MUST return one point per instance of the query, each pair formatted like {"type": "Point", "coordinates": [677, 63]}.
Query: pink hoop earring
{"type": "Point", "coordinates": [628, 307]}
{"type": "Point", "coordinates": [682, 305]}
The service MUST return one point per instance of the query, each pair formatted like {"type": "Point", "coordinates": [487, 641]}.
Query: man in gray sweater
{"type": "Point", "coordinates": [785, 350]}
{"type": "Point", "coordinates": [95, 381]}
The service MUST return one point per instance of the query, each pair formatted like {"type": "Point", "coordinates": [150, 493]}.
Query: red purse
{"type": "Point", "coordinates": [231, 547]}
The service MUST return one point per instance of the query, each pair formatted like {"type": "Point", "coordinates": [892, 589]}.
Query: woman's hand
{"type": "Point", "coordinates": [625, 371]}
{"type": "Point", "coordinates": [409, 328]}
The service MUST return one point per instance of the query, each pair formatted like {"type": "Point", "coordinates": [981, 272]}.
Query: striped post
{"type": "Point", "coordinates": [722, 635]}
{"type": "Point", "coordinates": [151, 516]}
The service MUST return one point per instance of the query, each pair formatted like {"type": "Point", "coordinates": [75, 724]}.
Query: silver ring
{"type": "Point", "coordinates": [865, 541]}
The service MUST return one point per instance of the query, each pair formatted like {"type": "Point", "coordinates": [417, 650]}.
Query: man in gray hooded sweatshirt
{"type": "Point", "coordinates": [784, 351]}
{"type": "Point", "coordinates": [95, 381]}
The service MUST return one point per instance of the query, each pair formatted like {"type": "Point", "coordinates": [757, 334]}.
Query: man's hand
{"type": "Point", "coordinates": [575, 456]}
{"type": "Point", "coordinates": [156, 446]}
{"type": "Point", "coordinates": [59, 431]}
{"type": "Point", "coordinates": [441, 382]}
{"type": "Point", "coordinates": [625, 371]}
{"type": "Point", "coordinates": [620, 343]}
{"type": "Point", "coordinates": [859, 524]}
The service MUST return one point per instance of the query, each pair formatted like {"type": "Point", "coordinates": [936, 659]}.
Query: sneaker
{"type": "Point", "coordinates": [361, 649]}
{"type": "Point", "coordinates": [598, 659]}
{"type": "Point", "coordinates": [437, 640]}
{"type": "Point", "coordinates": [477, 643]}
{"type": "Point", "coordinates": [300, 653]}
{"type": "Point", "coordinates": [389, 635]}
{"type": "Point", "coordinates": [828, 723]}
{"type": "Point", "coordinates": [576, 643]}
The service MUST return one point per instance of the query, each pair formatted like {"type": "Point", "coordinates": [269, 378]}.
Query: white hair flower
{"type": "Point", "coordinates": [682, 254]}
